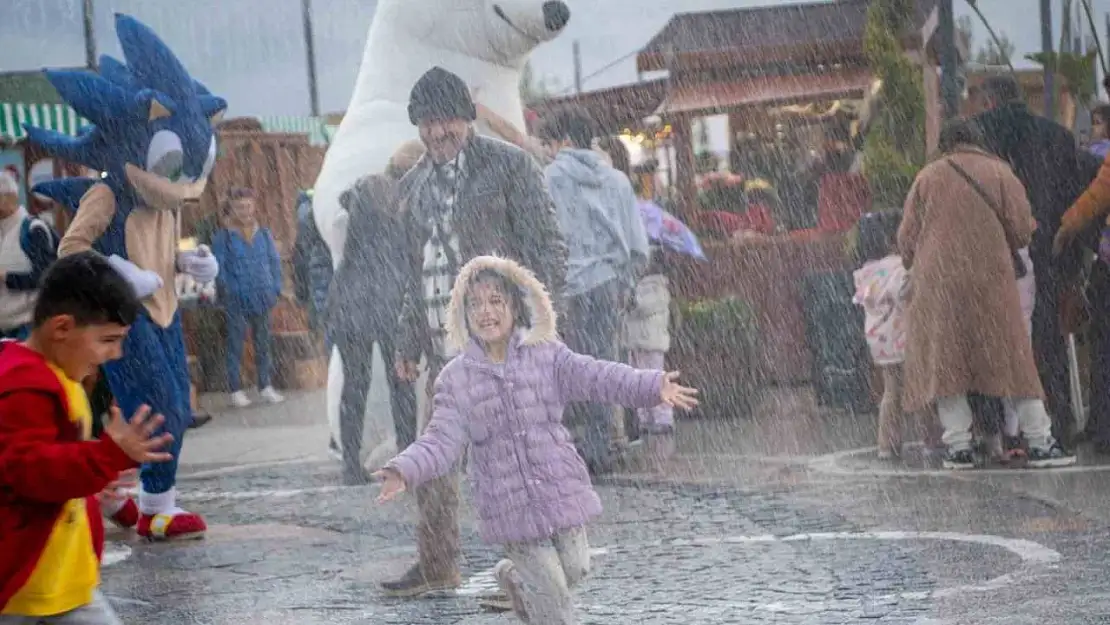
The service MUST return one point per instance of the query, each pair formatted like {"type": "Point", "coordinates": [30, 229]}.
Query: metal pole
{"type": "Point", "coordinates": [310, 51]}
{"type": "Point", "coordinates": [88, 19]}
{"type": "Point", "coordinates": [577, 67]}
{"type": "Point", "coordinates": [1049, 67]}
{"type": "Point", "coordinates": [949, 59]}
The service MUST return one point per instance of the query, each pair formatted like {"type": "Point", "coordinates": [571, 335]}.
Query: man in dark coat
{"type": "Point", "coordinates": [1045, 156]}
{"type": "Point", "coordinates": [468, 196]}
{"type": "Point", "coordinates": [364, 303]}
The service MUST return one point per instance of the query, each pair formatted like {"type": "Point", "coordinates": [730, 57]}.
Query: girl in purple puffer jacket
{"type": "Point", "coordinates": [504, 396]}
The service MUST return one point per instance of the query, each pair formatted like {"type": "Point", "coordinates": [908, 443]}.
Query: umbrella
{"type": "Point", "coordinates": [668, 230]}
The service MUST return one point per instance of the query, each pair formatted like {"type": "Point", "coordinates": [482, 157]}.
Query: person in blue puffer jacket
{"type": "Point", "coordinates": [248, 288]}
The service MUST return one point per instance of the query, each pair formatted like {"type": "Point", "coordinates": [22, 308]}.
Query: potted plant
{"type": "Point", "coordinates": [716, 347]}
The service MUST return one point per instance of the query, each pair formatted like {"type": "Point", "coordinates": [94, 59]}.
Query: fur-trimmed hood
{"type": "Point", "coordinates": [541, 312]}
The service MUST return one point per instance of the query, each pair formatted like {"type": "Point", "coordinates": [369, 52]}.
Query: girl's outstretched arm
{"type": "Point", "coordinates": [582, 378]}
{"type": "Point", "coordinates": [439, 447]}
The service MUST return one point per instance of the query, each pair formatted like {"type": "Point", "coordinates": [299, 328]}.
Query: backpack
{"type": "Point", "coordinates": [30, 225]}
{"type": "Point", "coordinates": [312, 270]}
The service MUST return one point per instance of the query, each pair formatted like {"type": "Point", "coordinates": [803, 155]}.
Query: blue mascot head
{"type": "Point", "coordinates": [151, 132]}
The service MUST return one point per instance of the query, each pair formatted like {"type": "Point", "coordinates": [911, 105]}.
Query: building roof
{"type": "Point", "coordinates": [28, 88]}
{"type": "Point", "coordinates": [722, 97]}
{"type": "Point", "coordinates": [766, 34]}
{"type": "Point", "coordinates": [613, 108]}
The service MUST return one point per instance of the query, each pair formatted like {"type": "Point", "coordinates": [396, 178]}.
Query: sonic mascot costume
{"type": "Point", "coordinates": [151, 137]}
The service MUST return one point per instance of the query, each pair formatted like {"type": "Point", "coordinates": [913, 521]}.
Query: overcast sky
{"type": "Point", "coordinates": [252, 51]}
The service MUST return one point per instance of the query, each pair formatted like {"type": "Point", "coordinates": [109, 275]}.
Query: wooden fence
{"type": "Point", "coordinates": [276, 167]}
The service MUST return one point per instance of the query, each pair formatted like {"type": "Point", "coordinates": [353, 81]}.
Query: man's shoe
{"type": "Point", "coordinates": [1053, 456]}
{"type": "Point", "coordinates": [961, 460]}
{"type": "Point", "coordinates": [200, 420]}
{"type": "Point", "coordinates": [415, 584]}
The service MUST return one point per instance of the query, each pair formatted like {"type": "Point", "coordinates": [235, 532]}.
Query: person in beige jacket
{"type": "Point", "coordinates": [964, 218]}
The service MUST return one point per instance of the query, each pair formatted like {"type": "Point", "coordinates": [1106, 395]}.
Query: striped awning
{"type": "Point", "coordinates": [64, 119]}
{"type": "Point", "coordinates": [319, 133]}
{"type": "Point", "coordinates": [57, 117]}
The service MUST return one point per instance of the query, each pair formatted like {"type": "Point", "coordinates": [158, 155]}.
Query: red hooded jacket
{"type": "Point", "coordinates": [43, 464]}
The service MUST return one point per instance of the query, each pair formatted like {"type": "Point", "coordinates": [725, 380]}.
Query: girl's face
{"type": "Point", "coordinates": [489, 312]}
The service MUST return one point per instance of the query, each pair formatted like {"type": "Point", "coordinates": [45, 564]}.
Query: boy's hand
{"type": "Point", "coordinates": [392, 484]}
{"type": "Point", "coordinates": [676, 395]}
{"type": "Point", "coordinates": [115, 491]}
{"type": "Point", "coordinates": [136, 438]}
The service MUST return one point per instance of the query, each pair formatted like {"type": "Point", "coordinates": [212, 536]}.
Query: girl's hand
{"type": "Point", "coordinates": [392, 484]}
{"type": "Point", "coordinates": [676, 395]}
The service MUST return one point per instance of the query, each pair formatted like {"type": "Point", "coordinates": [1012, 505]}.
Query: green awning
{"type": "Point", "coordinates": [57, 117]}
{"type": "Point", "coordinates": [319, 133]}
{"type": "Point", "coordinates": [64, 119]}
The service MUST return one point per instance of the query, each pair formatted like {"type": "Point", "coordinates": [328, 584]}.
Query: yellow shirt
{"type": "Point", "coordinates": [67, 572]}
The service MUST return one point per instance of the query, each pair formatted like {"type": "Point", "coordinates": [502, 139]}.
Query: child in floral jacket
{"type": "Point", "coordinates": [504, 396]}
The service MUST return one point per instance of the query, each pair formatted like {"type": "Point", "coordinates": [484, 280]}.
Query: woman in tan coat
{"type": "Point", "coordinates": [965, 217]}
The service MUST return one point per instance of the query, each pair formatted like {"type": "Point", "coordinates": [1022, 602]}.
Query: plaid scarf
{"type": "Point", "coordinates": [441, 252]}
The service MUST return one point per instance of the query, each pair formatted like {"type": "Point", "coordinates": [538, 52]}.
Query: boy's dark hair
{"type": "Point", "coordinates": [86, 286]}
{"type": "Point", "coordinates": [572, 124]}
{"type": "Point", "coordinates": [877, 235]}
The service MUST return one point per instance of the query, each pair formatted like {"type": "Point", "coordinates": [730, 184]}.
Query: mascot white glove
{"type": "Point", "coordinates": [144, 282]}
{"type": "Point", "coordinates": [199, 263]}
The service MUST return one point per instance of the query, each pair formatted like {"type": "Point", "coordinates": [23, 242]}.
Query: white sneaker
{"type": "Point", "coordinates": [239, 399]}
{"type": "Point", "coordinates": [272, 396]}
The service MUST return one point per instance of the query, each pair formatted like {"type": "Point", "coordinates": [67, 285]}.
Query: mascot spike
{"type": "Point", "coordinates": [151, 61]}
{"type": "Point", "coordinates": [93, 97]}
{"type": "Point", "coordinates": [115, 71]}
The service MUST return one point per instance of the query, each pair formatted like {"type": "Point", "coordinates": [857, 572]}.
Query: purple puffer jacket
{"type": "Point", "coordinates": [529, 480]}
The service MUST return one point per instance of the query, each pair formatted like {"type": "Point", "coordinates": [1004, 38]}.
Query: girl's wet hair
{"type": "Point", "coordinates": [878, 233]}
{"type": "Point", "coordinates": [521, 316]}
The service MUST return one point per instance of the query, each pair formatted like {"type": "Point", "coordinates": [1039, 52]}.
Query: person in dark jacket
{"type": "Point", "coordinates": [1046, 158]}
{"type": "Point", "coordinates": [312, 265]}
{"type": "Point", "coordinates": [468, 196]}
{"type": "Point", "coordinates": [364, 304]}
{"type": "Point", "coordinates": [28, 246]}
{"type": "Point", "coordinates": [249, 285]}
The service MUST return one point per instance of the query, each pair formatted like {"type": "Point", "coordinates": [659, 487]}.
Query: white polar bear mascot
{"type": "Point", "coordinates": [485, 42]}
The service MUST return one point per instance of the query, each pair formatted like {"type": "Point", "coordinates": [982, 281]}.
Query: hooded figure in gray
{"type": "Point", "coordinates": [608, 247]}
{"type": "Point", "coordinates": [598, 214]}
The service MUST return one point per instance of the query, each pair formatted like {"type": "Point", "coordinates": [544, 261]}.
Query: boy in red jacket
{"type": "Point", "coordinates": [51, 533]}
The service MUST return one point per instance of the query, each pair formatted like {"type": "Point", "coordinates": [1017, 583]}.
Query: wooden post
{"type": "Point", "coordinates": [88, 19]}
{"type": "Point", "coordinates": [685, 170]}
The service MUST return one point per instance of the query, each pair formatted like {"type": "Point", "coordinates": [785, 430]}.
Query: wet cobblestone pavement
{"type": "Point", "coordinates": [787, 520]}
{"type": "Point", "coordinates": [311, 553]}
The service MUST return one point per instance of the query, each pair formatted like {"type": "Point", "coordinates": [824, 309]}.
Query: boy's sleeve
{"type": "Point", "coordinates": [35, 465]}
